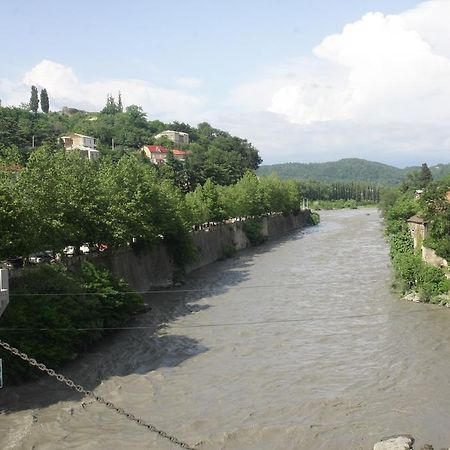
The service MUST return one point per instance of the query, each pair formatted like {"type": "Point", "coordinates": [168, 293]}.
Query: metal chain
{"type": "Point", "coordinates": [97, 398]}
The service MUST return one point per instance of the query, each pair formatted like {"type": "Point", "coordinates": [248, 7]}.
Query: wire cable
{"type": "Point", "coordinates": [214, 325]}
{"type": "Point", "coordinates": [160, 291]}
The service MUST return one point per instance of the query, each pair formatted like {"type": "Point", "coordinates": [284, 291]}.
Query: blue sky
{"type": "Point", "coordinates": [260, 69]}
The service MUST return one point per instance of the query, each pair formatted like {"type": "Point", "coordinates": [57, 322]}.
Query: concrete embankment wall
{"type": "Point", "coordinates": [155, 268]}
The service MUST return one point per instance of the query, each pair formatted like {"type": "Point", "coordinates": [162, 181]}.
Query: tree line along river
{"type": "Point", "coordinates": [298, 344]}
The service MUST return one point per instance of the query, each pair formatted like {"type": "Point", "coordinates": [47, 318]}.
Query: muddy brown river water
{"type": "Point", "coordinates": [299, 344]}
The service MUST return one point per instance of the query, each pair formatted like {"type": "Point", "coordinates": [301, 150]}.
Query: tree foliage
{"type": "Point", "coordinates": [212, 153]}
{"type": "Point", "coordinates": [34, 99]}
{"type": "Point", "coordinates": [45, 104]}
{"type": "Point", "coordinates": [411, 272]}
{"type": "Point", "coordinates": [350, 169]}
{"type": "Point", "coordinates": [65, 304]}
{"type": "Point", "coordinates": [435, 207]}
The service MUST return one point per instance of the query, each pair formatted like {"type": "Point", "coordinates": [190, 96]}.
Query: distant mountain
{"type": "Point", "coordinates": [348, 169]}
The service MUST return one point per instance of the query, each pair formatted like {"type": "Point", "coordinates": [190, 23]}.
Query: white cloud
{"type": "Point", "coordinates": [382, 84]}
{"type": "Point", "coordinates": [189, 82]}
{"type": "Point", "coordinates": [377, 69]}
{"type": "Point", "coordinates": [396, 143]}
{"type": "Point", "coordinates": [66, 89]}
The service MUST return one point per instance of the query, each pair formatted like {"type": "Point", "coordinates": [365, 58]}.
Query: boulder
{"type": "Point", "coordinates": [403, 442]}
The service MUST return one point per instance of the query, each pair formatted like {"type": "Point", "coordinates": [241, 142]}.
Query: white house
{"type": "Point", "coordinates": [178, 137]}
{"type": "Point", "coordinates": [85, 144]}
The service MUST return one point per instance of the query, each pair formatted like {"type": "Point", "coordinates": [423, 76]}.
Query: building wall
{"type": "Point", "coordinates": [430, 256]}
{"type": "Point", "coordinates": [155, 269]}
{"type": "Point", "coordinates": [175, 136]}
{"type": "Point", "coordinates": [419, 233]}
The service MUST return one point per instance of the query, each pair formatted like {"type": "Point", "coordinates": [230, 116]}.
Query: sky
{"type": "Point", "coordinates": [303, 81]}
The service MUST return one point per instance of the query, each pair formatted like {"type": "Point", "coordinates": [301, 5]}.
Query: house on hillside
{"type": "Point", "coordinates": [157, 154]}
{"type": "Point", "coordinates": [178, 137]}
{"type": "Point", "coordinates": [418, 228]}
{"type": "Point", "coordinates": [84, 144]}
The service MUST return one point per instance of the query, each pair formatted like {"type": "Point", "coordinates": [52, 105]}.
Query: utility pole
{"type": "Point", "coordinates": [4, 289]}
{"type": "Point", "coordinates": [112, 144]}
{"type": "Point", "coordinates": [4, 300]}
{"type": "Point", "coordinates": [32, 141]}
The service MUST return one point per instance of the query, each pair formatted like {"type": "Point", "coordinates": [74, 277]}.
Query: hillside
{"type": "Point", "coordinates": [349, 169]}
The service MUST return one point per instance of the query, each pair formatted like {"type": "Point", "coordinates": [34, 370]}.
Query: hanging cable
{"type": "Point", "coordinates": [214, 325]}
{"type": "Point", "coordinates": [97, 398]}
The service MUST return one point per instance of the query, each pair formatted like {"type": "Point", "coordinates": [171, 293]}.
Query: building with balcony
{"type": "Point", "coordinates": [84, 144]}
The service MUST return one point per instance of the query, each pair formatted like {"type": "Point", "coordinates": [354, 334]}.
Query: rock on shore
{"type": "Point", "coordinates": [402, 442]}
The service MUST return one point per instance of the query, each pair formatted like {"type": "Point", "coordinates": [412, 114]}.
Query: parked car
{"type": "Point", "coordinates": [69, 251]}
{"type": "Point", "coordinates": [41, 257]}
{"type": "Point", "coordinates": [88, 248]}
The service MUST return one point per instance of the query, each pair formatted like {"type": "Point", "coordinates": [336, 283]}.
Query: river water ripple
{"type": "Point", "coordinates": [299, 344]}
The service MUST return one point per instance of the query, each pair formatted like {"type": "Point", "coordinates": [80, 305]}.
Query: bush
{"type": "Point", "coordinates": [253, 230]}
{"type": "Point", "coordinates": [407, 267]}
{"type": "Point", "coordinates": [314, 218]}
{"type": "Point", "coordinates": [48, 314]}
{"type": "Point", "coordinates": [431, 282]}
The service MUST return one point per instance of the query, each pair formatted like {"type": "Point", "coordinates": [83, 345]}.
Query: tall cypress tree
{"type": "Point", "coordinates": [425, 175]}
{"type": "Point", "coordinates": [34, 99]}
{"type": "Point", "coordinates": [45, 105]}
{"type": "Point", "coordinates": [119, 103]}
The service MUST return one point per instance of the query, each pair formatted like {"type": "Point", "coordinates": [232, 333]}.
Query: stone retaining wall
{"type": "Point", "coordinates": [155, 268]}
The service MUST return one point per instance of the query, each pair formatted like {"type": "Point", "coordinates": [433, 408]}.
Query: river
{"type": "Point", "coordinates": [299, 344]}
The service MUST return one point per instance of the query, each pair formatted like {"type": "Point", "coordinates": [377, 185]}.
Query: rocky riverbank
{"type": "Point", "coordinates": [403, 442]}
{"type": "Point", "coordinates": [441, 300]}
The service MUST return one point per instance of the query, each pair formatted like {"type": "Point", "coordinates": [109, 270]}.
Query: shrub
{"type": "Point", "coordinates": [49, 313]}
{"type": "Point", "coordinates": [253, 230]}
{"type": "Point", "coordinates": [314, 218]}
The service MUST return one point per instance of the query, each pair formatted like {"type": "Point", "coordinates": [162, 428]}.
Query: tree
{"type": "Point", "coordinates": [119, 103]}
{"type": "Point", "coordinates": [34, 100]}
{"type": "Point", "coordinates": [425, 176]}
{"type": "Point", "coordinates": [59, 190]}
{"type": "Point", "coordinates": [175, 171]}
{"type": "Point", "coordinates": [45, 106]}
{"type": "Point", "coordinates": [111, 106]}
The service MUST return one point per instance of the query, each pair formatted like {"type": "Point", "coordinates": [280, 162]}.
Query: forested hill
{"type": "Point", "coordinates": [349, 169]}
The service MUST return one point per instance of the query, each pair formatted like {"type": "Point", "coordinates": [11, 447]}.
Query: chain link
{"type": "Point", "coordinates": [90, 394]}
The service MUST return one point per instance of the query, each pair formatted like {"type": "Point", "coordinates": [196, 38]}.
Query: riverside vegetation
{"type": "Point", "coordinates": [398, 205]}
{"type": "Point", "coordinates": [51, 199]}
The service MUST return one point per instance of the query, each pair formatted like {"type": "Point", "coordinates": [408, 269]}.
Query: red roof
{"type": "Point", "coordinates": [179, 152]}
{"type": "Point", "coordinates": [161, 149]}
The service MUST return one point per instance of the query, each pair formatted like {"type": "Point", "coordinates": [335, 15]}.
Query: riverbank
{"type": "Point", "coordinates": [146, 270]}
{"type": "Point", "coordinates": [57, 312]}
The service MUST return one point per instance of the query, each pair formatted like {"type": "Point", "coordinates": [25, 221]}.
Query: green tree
{"type": "Point", "coordinates": [34, 99]}
{"type": "Point", "coordinates": [111, 106]}
{"type": "Point", "coordinates": [45, 105]}
{"type": "Point", "coordinates": [426, 177]}
{"type": "Point", "coordinates": [129, 192]}
{"type": "Point", "coordinates": [175, 170]}
{"type": "Point", "coordinates": [119, 103]}
{"type": "Point", "coordinates": [60, 192]}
